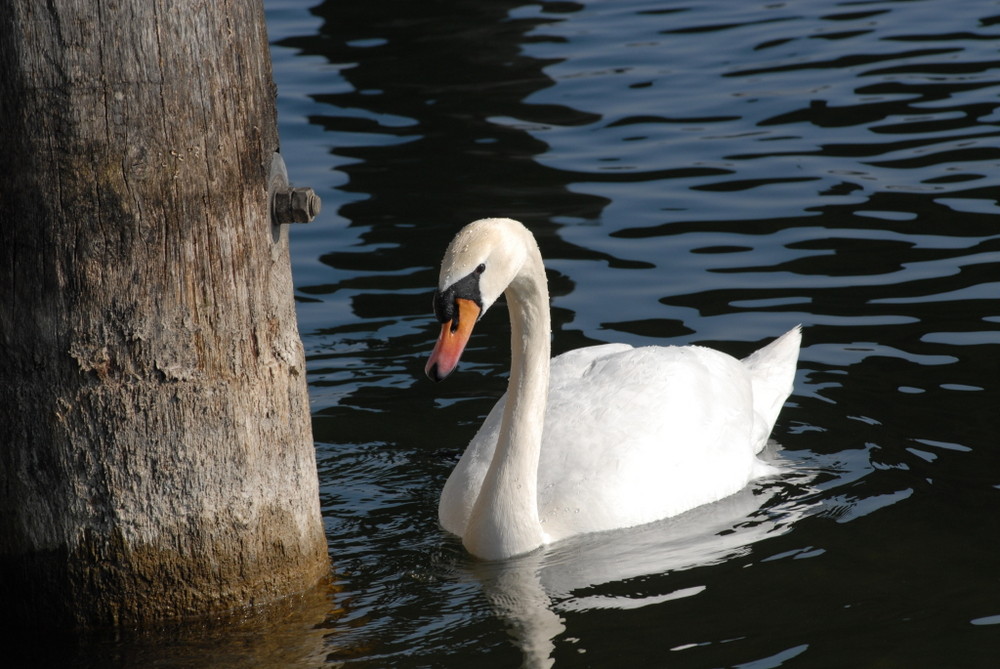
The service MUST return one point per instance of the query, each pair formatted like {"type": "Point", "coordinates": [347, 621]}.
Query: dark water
{"type": "Point", "coordinates": [696, 172]}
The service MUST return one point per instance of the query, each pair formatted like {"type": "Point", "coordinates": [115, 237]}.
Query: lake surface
{"type": "Point", "coordinates": [708, 172]}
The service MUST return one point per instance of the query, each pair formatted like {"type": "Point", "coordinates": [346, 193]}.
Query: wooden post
{"type": "Point", "coordinates": [156, 457]}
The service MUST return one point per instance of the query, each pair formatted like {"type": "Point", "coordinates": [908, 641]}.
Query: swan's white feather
{"type": "Point", "coordinates": [633, 435]}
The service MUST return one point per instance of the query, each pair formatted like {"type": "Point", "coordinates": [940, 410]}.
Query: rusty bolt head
{"type": "Point", "coordinates": [294, 205]}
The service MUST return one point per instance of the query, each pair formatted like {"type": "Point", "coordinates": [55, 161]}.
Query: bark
{"type": "Point", "coordinates": [156, 457]}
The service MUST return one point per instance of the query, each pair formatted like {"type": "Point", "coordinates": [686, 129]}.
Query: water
{"type": "Point", "coordinates": [699, 172]}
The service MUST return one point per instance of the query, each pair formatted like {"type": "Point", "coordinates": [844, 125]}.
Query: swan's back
{"type": "Point", "coordinates": [632, 435]}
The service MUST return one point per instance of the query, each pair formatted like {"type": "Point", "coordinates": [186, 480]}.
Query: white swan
{"type": "Point", "coordinates": [599, 438]}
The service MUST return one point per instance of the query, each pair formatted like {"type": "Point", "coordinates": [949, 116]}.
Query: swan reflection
{"type": "Point", "coordinates": [529, 593]}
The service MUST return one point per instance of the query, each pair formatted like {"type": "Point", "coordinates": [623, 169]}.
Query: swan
{"type": "Point", "coordinates": [598, 438]}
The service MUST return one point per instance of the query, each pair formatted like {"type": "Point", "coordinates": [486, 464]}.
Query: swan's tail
{"type": "Point", "coordinates": [772, 371]}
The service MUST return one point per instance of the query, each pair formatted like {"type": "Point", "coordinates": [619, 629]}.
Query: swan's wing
{"type": "Point", "coordinates": [576, 363]}
{"type": "Point", "coordinates": [634, 435]}
{"type": "Point", "coordinates": [642, 434]}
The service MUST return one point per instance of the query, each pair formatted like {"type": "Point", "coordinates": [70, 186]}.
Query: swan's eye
{"type": "Point", "coordinates": [481, 268]}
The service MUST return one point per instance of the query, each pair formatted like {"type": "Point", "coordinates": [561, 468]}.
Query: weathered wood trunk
{"type": "Point", "coordinates": [156, 457]}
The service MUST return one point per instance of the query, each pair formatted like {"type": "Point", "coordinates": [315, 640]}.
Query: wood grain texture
{"type": "Point", "coordinates": [156, 456]}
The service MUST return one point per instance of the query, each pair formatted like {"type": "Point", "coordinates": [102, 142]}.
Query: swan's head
{"type": "Point", "coordinates": [481, 261]}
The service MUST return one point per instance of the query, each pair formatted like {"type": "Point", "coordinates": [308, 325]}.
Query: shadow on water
{"type": "Point", "coordinates": [424, 82]}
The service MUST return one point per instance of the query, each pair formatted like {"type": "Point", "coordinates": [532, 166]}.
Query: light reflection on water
{"type": "Point", "coordinates": [709, 172]}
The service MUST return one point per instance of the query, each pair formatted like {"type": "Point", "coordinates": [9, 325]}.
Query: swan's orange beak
{"type": "Point", "coordinates": [450, 344]}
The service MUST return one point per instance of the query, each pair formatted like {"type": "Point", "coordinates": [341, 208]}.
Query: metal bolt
{"type": "Point", "coordinates": [294, 205]}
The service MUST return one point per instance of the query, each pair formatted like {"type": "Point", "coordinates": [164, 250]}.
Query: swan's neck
{"type": "Point", "coordinates": [504, 520]}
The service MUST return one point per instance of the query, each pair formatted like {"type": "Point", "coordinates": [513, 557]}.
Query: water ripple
{"type": "Point", "coordinates": [709, 172]}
